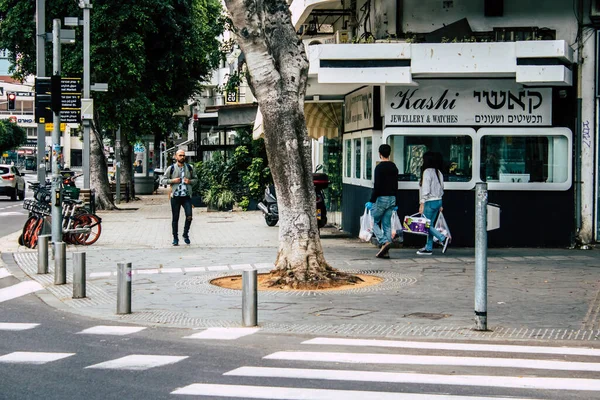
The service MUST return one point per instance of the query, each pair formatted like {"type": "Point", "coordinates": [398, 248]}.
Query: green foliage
{"type": "Point", "coordinates": [243, 175]}
{"type": "Point", "coordinates": [11, 135]}
{"type": "Point", "coordinates": [154, 55]}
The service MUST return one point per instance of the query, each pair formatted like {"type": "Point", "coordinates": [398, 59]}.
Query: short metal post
{"type": "Point", "coordinates": [481, 199]}
{"type": "Point", "coordinates": [124, 288]}
{"type": "Point", "coordinates": [249, 298]}
{"type": "Point", "coordinates": [43, 254]}
{"type": "Point", "coordinates": [60, 263]}
{"type": "Point", "coordinates": [78, 275]}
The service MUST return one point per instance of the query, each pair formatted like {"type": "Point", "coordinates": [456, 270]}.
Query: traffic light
{"type": "Point", "coordinates": [12, 99]}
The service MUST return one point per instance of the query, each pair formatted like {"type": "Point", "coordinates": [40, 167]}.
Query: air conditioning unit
{"type": "Point", "coordinates": [342, 36]}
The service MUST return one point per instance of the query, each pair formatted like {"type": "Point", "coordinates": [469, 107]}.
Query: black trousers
{"type": "Point", "coordinates": [176, 203]}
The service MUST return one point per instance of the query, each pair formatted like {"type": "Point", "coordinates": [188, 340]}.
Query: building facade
{"type": "Point", "coordinates": [505, 90]}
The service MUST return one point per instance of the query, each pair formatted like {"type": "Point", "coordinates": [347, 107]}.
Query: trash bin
{"type": "Point", "coordinates": [493, 216]}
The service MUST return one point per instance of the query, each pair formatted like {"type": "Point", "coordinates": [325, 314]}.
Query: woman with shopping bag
{"type": "Point", "coordinates": [431, 191]}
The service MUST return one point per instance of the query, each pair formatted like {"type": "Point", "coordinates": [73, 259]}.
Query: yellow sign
{"type": "Point", "coordinates": [50, 127]}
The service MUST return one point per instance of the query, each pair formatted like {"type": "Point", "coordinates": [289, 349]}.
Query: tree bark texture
{"type": "Point", "coordinates": [278, 70]}
{"type": "Point", "coordinates": [99, 173]}
{"type": "Point", "coordinates": [127, 164]}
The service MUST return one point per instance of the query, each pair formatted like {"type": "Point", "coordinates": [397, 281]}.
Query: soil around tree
{"type": "Point", "coordinates": [265, 283]}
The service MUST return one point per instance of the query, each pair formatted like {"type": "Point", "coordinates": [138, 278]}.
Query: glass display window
{"type": "Point", "coordinates": [456, 145]}
{"type": "Point", "coordinates": [368, 158]}
{"type": "Point", "coordinates": [526, 158]}
{"type": "Point", "coordinates": [348, 158]}
{"type": "Point", "coordinates": [357, 158]}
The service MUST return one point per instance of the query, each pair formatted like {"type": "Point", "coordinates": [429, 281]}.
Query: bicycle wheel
{"type": "Point", "coordinates": [93, 223]}
{"type": "Point", "coordinates": [36, 233]}
{"type": "Point", "coordinates": [28, 230]}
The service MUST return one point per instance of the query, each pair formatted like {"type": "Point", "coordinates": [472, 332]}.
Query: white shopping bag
{"type": "Point", "coordinates": [366, 226]}
{"type": "Point", "coordinates": [442, 227]}
{"type": "Point", "coordinates": [397, 232]}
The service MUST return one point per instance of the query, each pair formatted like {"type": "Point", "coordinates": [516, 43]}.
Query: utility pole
{"type": "Point", "coordinates": [41, 72]}
{"type": "Point", "coordinates": [56, 149]}
{"type": "Point", "coordinates": [86, 6]}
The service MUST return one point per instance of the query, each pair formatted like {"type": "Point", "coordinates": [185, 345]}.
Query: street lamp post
{"type": "Point", "coordinates": [56, 149]}
{"type": "Point", "coordinates": [40, 73]}
{"type": "Point", "coordinates": [86, 6]}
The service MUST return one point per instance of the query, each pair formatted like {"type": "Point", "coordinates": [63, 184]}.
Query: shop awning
{"type": "Point", "coordinates": [322, 119]}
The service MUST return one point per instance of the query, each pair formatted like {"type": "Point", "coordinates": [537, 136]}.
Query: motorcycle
{"type": "Point", "coordinates": [268, 205]}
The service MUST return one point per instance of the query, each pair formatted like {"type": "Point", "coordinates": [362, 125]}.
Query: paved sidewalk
{"type": "Point", "coordinates": [550, 294]}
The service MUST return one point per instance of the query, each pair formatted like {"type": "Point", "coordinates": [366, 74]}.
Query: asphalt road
{"type": "Point", "coordinates": [58, 357]}
{"type": "Point", "coordinates": [12, 214]}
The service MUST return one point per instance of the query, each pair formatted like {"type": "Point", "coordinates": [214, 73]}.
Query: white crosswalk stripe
{"type": "Point", "coordinates": [138, 362]}
{"type": "Point", "coordinates": [18, 290]}
{"type": "Point", "coordinates": [30, 357]}
{"type": "Point", "coordinates": [223, 333]}
{"type": "Point", "coordinates": [531, 369]}
{"type": "Point", "coordinates": [13, 326]}
{"type": "Point", "coordinates": [4, 273]}
{"type": "Point", "coordinates": [273, 392]}
{"type": "Point", "coordinates": [111, 330]}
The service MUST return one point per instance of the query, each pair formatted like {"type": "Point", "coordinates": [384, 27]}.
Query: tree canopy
{"type": "Point", "coordinates": [11, 135]}
{"type": "Point", "coordinates": [154, 54]}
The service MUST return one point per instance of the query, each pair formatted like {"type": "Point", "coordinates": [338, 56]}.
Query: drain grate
{"type": "Point", "coordinates": [423, 315]}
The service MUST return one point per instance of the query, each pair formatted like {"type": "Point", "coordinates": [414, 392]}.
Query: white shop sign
{"type": "Point", "coordinates": [359, 107]}
{"type": "Point", "coordinates": [493, 102]}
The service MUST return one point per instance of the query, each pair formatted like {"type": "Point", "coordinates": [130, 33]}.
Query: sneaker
{"type": "Point", "coordinates": [446, 242]}
{"type": "Point", "coordinates": [424, 252]}
{"type": "Point", "coordinates": [175, 242]}
{"type": "Point", "coordinates": [186, 240]}
{"type": "Point", "coordinates": [384, 250]}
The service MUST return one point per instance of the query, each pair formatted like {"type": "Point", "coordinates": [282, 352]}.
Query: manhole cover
{"type": "Point", "coordinates": [427, 315]}
{"type": "Point", "coordinates": [267, 306]}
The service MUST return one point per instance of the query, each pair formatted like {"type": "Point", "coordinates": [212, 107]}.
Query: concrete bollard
{"type": "Point", "coordinates": [124, 288]}
{"type": "Point", "coordinates": [249, 298]}
{"type": "Point", "coordinates": [78, 275]}
{"type": "Point", "coordinates": [60, 263]}
{"type": "Point", "coordinates": [43, 254]}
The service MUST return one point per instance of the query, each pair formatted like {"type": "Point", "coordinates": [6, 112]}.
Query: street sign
{"type": "Point", "coordinates": [49, 127]}
{"type": "Point", "coordinates": [70, 85]}
{"type": "Point", "coordinates": [231, 97]}
{"type": "Point", "coordinates": [70, 101]}
{"type": "Point", "coordinates": [70, 116]}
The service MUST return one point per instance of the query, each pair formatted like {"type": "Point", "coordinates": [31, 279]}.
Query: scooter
{"type": "Point", "coordinates": [268, 205]}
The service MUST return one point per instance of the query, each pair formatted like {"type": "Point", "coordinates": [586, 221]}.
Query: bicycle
{"type": "Point", "coordinates": [79, 226]}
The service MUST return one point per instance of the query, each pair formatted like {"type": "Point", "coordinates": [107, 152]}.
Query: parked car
{"type": "Point", "coordinates": [12, 183]}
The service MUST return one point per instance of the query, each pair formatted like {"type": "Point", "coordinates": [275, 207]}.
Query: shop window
{"type": "Point", "coordinates": [407, 153]}
{"type": "Point", "coordinates": [357, 160]}
{"type": "Point", "coordinates": [529, 158]}
{"type": "Point", "coordinates": [368, 158]}
{"type": "Point", "coordinates": [348, 173]}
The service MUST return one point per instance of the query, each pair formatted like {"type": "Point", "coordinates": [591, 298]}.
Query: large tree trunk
{"type": "Point", "coordinates": [99, 173]}
{"type": "Point", "coordinates": [278, 72]}
{"type": "Point", "coordinates": [127, 164]}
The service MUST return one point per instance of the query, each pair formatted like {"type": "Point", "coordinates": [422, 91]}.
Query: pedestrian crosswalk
{"type": "Point", "coordinates": [484, 369]}
{"type": "Point", "coordinates": [345, 368]}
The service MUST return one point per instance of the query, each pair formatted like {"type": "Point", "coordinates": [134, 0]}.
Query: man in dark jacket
{"type": "Point", "coordinates": [384, 200]}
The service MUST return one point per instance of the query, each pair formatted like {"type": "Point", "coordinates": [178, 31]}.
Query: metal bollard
{"type": "Point", "coordinates": [43, 254]}
{"type": "Point", "coordinates": [124, 288]}
{"type": "Point", "coordinates": [481, 199]}
{"type": "Point", "coordinates": [60, 263]}
{"type": "Point", "coordinates": [249, 298]}
{"type": "Point", "coordinates": [78, 275]}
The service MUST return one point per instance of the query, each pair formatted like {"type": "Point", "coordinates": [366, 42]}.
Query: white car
{"type": "Point", "coordinates": [12, 183]}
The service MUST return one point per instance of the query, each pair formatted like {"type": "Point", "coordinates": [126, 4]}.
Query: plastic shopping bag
{"type": "Point", "coordinates": [366, 226]}
{"type": "Point", "coordinates": [418, 224]}
{"type": "Point", "coordinates": [396, 227]}
{"type": "Point", "coordinates": [442, 227]}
